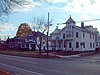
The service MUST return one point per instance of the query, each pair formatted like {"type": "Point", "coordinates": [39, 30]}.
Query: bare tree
{"type": "Point", "coordinates": [6, 6]}
{"type": "Point", "coordinates": [40, 24]}
{"type": "Point", "coordinates": [47, 1]}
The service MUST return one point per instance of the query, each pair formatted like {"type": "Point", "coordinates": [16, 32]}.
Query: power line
{"type": "Point", "coordinates": [87, 20]}
{"type": "Point", "coordinates": [81, 21]}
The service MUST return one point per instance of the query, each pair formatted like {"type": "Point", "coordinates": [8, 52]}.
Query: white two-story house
{"type": "Point", "coordinates": [74, 38]}
{"type": "Point", "coordinates": [35, 41]}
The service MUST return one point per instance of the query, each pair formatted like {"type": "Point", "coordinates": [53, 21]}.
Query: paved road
{"type": "Point", "coordinates": [69, 66]}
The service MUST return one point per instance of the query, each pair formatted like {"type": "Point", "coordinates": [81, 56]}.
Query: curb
{"type": "Point", "coordinates": [76, 56]}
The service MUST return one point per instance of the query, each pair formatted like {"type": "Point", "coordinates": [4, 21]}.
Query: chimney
{"type": "Point", "coordinates": [82, 24]}
{"type": "Point", "coordinates": [56, 27]}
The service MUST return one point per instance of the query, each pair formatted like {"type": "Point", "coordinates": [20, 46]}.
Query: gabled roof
{"type": "Point", "coordinates": [34, 35]}
{"type": "Point", "coordinates": [56, 31]}
{"type": "Point", "coordinates": [70, 20]}
{"type": "Point", "coordinates": [76, 27]}
{"type": "Point", "coordinates": [16, 39]}
{"type": "Point", "coordinates": [84, 30]}
{"type": "Point", "coordinates": [19, 37]}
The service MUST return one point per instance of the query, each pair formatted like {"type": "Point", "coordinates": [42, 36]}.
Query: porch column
{"type": "Point", "coordinates": [63, 45]}
{"type": "Point", "coordinates": [30, 47]}
{"type": "Point", "coordinates": [56, 45]}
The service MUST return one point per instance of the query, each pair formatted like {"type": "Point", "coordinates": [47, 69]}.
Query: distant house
{"type": "Point", "coordinates": [15, 43]}
{"type": "Point", "coordinates": [30, 42]}
{"type": "Point", "coordinates": [75, 38]}
{"type": "Point", "coordinates": [2, 44]}
{"type": "Point", "coordinates": [34, 39]}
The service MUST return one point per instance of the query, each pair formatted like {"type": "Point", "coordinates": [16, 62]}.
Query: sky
{"type": "Point", "coordinates": [60, 11]}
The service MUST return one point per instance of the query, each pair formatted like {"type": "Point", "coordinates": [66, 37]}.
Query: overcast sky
{"type": "Point", "coordinates": [60, 11]}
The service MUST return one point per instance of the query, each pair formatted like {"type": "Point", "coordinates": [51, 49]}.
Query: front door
{"type": "Point", "coordinates": [33, 46]}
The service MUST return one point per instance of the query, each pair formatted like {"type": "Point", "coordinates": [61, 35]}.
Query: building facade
{"type": "Point", "coordinates": [33, 41]}
{"type": "Point", "coordinates": [15, 43]}
{"type": "Point", "coordinates": [75, 38]}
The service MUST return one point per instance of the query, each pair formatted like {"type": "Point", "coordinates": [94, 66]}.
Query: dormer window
{"type": "Point", "coordinates": [69, 27]}
{"type": "Point", "coordinates": [57, 37]}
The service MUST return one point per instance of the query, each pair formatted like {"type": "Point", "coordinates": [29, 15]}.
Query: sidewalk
{"type": "Point", "coordinates": [69, 56]}
{"type": "Point", "coordinates": [78, 55]}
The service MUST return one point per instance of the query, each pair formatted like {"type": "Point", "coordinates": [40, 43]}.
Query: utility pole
{"type": "Point", "coordinates": [48, 36]}
{"type": "Point", "coordinates": [40, 38]}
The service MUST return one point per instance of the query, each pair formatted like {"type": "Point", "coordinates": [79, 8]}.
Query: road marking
{"type": "Point", "coordinates": [22, 69]}
{"type": "Point", "coordinates": [19, 60]}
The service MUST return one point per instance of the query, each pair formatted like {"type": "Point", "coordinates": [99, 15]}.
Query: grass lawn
{"type": "Point", "coordinates": [19, 52]}
{"type": "Point", "coordinates": [34, 54]}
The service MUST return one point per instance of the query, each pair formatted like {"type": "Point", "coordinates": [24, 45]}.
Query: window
{"type": "Point", "coordinates": [90, 36]}
{"type": "Point", "coordinates": [65, 44]}
{"type": "Point", "coordinates": [70, 45]}
{"type": "Point", "coordinates": [27, 45]}
{"type": "Point", "coordinates": [57, 37]}
{"type": "Point", "coordinates": [63, 35]}
{"type": "Point", "coordinates": [98, 38]}
{"type": "Point", "coordinates": [77, 44]}
{"type": "Point", "coordinates": [83, 35]}
{"type": "Point", "coordinates": [22, 45]}
{"type": "Point", "coordinates": [93, 45]}
{"type": "Point", "coordinates": [90, 45]}
{"type": "Point", "coordinates": [59, 45]}
{"type": "Point", "coordinates": [96, 44]}
{"type": "Point", "coordinates": [68, 33]}
{"type": "Point", "coordinates": [30, 38]}
{"type": "Point", "coordinates": [69, 27]}
{"type": "Point", "coordinates": [84, 45]}
{"type": "Point", "coordinates": [93, 36]}
{"type": "Point", "coordinates": [76, 34]}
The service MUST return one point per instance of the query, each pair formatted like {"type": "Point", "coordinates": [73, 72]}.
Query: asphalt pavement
{"type": "Point", "coordinates": [89, 65]}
